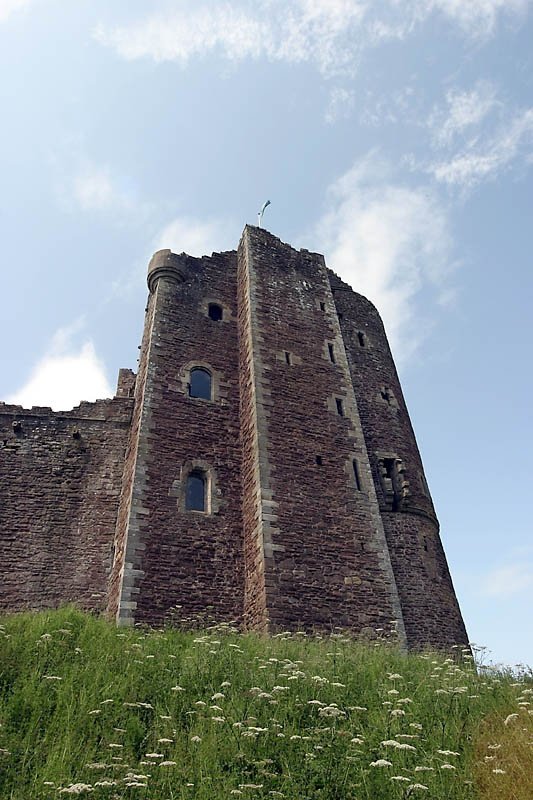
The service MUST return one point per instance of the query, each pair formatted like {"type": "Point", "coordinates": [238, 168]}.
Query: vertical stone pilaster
{"type": "Point", "coordinates": [259, 506]}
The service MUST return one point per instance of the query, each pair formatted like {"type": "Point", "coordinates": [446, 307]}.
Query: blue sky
{"type": "Point", "coordinates": [396, 137]}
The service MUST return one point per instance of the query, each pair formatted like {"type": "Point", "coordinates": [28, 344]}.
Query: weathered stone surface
{"type": "Point", "coordinates": [318, 513]}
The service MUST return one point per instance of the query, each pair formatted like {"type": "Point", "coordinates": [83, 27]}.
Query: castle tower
{"type": "Point", "coordinates": [271, 473]}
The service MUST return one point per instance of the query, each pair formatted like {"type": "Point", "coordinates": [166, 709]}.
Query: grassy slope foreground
{"type": "Point", "coordinates": [86, 709]}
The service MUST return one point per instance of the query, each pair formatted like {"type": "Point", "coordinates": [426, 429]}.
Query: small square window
{"type": "Point", "coordinates": [215, 312]}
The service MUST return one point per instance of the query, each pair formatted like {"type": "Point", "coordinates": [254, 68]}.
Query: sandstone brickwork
{"type": "Point", "coordinates": [314, 513]}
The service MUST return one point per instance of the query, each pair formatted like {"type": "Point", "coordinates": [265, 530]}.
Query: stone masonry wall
{"type": "Point", "coordinates": [187, 564]}
{"type": "Point", "coordinates": [430, 609]}
{"type": "Point", "coordinates": [60, 477]}
{"type": "Point", "coordinates": [325, 564]}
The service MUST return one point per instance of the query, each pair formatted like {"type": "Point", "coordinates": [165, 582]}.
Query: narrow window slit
{"type": "Point", "coordinates": [340, 406]}
{"type": "Point", "coordinates": [331, 352]}
{"type": "Point", "coordinates": [356, 475]}
{"type": "Point", "coordinates": [319, 461]}
{"type": "Point", "coordinates": [322, 306]}
{"type": "Point", "coordinates": [362, 339]}
{"type": "Point", "coordinates": [288, 358]}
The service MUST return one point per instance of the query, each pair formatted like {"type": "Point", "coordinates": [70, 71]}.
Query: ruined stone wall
{"type": "Point", "coordinates": [186, 564]}
{"type": "Point", "coordinates": [324, 552]}
{"type": "Point", "coordinates": [60, 477]}
{"type": "Point", "coordinates": [430, 609]}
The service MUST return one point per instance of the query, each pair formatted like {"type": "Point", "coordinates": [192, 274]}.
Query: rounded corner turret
{"type": "Point", "coordinates": [168, 265]}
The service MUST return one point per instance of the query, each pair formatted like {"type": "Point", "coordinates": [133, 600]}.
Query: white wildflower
{"type": "Point", "coordinates": [499, 771]}
{"type": "Point", "coordinates": [177, 689]}
{"type": "Point", "coordinates": [447, 766]}
{"type": "Point", "coordinates": [164, 741]}
{"type": "Point", "coordinates": [414, 786]}
{"type": "Point", "coordinates": [77, 788]}
{"type": "Point", "coordinates": [397, 745]}
{"type": "Point", "coordinates": [196, 739]}
{"type": "Point", "coordinates": [167, 763]}
{"type": "Point", "coordinates": [154, 755]}
{"type": "Point", "coordinates": [54, 678]}
{"type": "Point", "coordinates": [381, 762]}
{"type": "Point", "coordinates": [424, 769]}
{"type": "Point", "coordinates": [448, 753]}
{"type": "Point", "coordinates": [218, 719]}
{"type": "Point", "coordinates": [393, 676]}
{"type": "Point", "coordinates": [400, 778]}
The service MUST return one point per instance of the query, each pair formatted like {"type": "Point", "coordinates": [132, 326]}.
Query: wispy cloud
{"type": "Point", "coordinates": [331, 34]}
{"type": "Point", "coordinates": [390, 242]}
{"type": "Point", "coordinates": [464, 111]}
{"type": "Point", "coordinates": [66, 374]}
{"type": "Point", "coordinates": [341, 103]}
{"type": "Point", "coordinates": [508, 580]}
{"type": "Point", "coordinates": [94, 190]}
{"type": "Point", "coordinates": [485, 157]}
{"type": "Point", "coordinates": [9, 7]}
{"type": "Point", "coordinates": [196, 237]}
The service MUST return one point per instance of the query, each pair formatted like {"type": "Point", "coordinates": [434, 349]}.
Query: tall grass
{"type": "Point", "coordinates": [88, 709]}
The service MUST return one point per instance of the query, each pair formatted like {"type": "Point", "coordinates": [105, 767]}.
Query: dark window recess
{"type": "Point", "coordinates": [195, 496]}
{"type": "Point", "coordinates": [331, 352]}
{"type": "Point", "coordinates": [356, 475]}
{"type": "Point", "coordinates": [322, 306]}
{"type": "Point", "coordinates": [387, 395]}
{"type": "Point", "coordinates": [393, 483]}
{"type": "Point", "coordinates": [340, 317]}
{"type": "Point", "coordinates": [425, 544]}
{"type": "Point", "coordinates": [319, 461]}
{"type": "Point", "coordinates": [362, 339]}
{"type": "Point", "coordinates": [340, 406]}
{"type": "Point", "coordinates": [288, 358]}
{"type": "Point", "coordinates": [200, 383]}
{"type": "Point", "coordinates": [215, 312]}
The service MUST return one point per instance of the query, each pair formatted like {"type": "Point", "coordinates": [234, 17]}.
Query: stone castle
{"type": "Point", "coordinates": [260, 467]}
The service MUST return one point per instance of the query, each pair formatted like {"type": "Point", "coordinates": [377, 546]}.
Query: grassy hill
{"type": "Point", "coordinates": [90, 710]}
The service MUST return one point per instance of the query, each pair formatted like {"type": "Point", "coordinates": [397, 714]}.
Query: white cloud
{"type": "Point", "coordinates": [65, 375]}
{"type": "Point", "coordinates": [476, 17]}
{"type": "Point", "coordinates": [94, 188]}
{"type": "Point", "coordinates": [389, 242]}
{"type": "Point", "coordinates": [341, 102]}
{"type": "Point", "coordinates": [8, 7]}
{"type": "Point", "coordinates": [485, 159]}
{"type": "Point", "coordinates": [329, 33]}
{"type": "Point", "coordinates": [508, 580]}
{"type": "Point", "coordinates": [195, 237]}
{"type": "Point", "coordinates": [465, 109]}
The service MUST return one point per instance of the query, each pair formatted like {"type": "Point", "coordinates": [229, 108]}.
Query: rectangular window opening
{"type": "Point", "coordinates": [319, 461]}
{"type": "Point", "coordinates": [288, 358]}
{"type": "Point", "coordinates": [340, 406]}
{"type": "Point", "coordinates": [322, 306]}
{"type": "Point", "coordinates": [331, 352]}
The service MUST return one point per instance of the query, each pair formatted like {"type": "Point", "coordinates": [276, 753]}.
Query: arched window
{"type": "Point", "coordinates": [196, 491]}
{"type": "Point", "coordinates": [200, 383]}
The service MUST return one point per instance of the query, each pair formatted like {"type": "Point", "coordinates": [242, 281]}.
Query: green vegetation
{"type": "Point", "coordinates": [88, 709]}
